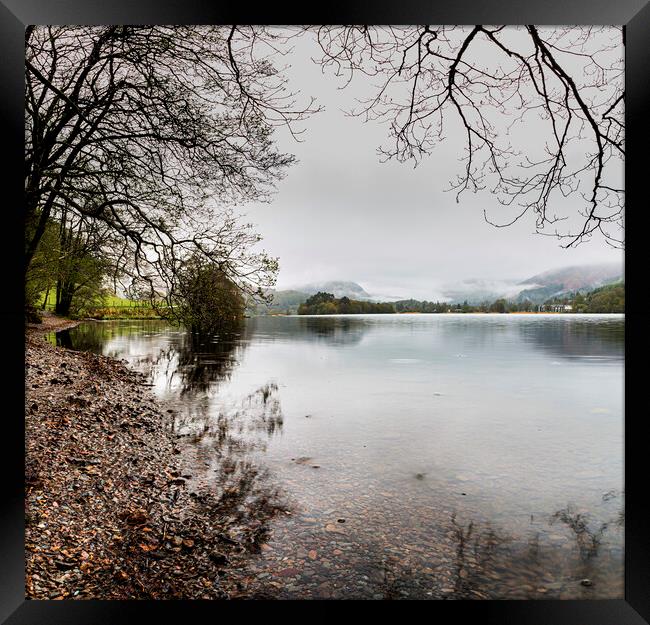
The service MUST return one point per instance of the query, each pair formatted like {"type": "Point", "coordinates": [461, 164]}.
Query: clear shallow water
{"type": "Point", "coordinates": [402, 455]}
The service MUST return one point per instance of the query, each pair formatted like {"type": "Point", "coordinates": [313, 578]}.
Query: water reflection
{"type": "Point", "coordinates": [579, 338]}
{"type": "Point", "coordinates": [328, 330]}
{"type": "Point", "coordinates": [220, 443]}
{"type": "Point", "coordinates": [201, 362]}
{"type": "Point", "coordinates": [95, 336]}
{"type": "Point", "coordinates": [400, 456]}
{"type": "Point", "coordinates": [223, 453]}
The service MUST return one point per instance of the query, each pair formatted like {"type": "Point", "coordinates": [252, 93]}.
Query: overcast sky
{"type": "Point", "coordinates": [341, 214]}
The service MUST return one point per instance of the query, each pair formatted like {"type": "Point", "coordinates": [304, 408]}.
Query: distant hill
{"type": "Point", "coordinates": [287, 301]}
{"type": "Point", "coordinates": [338, 288]}
{"type": "Point", "coordinates": [574, 279]}
{"type": "Point", "coordinates": [609, 298]}
{"type": "Point", "coordinates": [477, 291]}
{"type": "Point", "coordinates": [284, 302]}
{"type": "Point", "coordinates": [537, 288]}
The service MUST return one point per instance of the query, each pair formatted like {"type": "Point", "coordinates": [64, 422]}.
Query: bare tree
{"type": "Point", "coordinates": [499, 86]}
{"type": "Point", "coordinates": [151, 130]}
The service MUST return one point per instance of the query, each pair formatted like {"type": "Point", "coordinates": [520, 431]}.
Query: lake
{"type": "Point", "coordinates": [401, 456]}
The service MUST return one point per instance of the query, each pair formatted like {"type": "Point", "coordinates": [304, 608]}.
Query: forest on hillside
{"type": "Point", "coordinates": [606, 299]}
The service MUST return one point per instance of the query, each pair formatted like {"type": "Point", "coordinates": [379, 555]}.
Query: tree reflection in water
{"type": "Point", "coordinates": [219, 442]}
{"type": "Point", "coordinates": [245, 497]}
{"type": "Point", "coordinates": [225, 439]}
{"type": "Point", "coordinates": [204, 361]}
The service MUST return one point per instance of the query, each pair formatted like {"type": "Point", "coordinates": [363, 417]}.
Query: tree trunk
{"type": "Point", "coordinates": [47, 294]}
{"type": "Point", "coordinates": [64, 299]}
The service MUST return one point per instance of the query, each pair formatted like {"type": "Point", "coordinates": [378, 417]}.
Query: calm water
{"type": "Point", "coordinates": [460, 456]}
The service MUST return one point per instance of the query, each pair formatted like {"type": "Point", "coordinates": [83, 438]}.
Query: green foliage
{"type": "Point", "coordinates": [206, 299]}
{"type": "Point", "coordinates": [610, 298]}
{"type": "Point", "coordinates": [606, 299]}
{"type": "Point", "coordinates": [124, 312]}
{"type": "Point", "coordinates": [327, 304]}
{"type": "Point", "coordinates": [42, 273]}
{"type": "Point", "coordinates": [580, 303]}
{"type": "Point", "coordinates": [68, 270]}
{"type": "Point", "coordinates": [499, 306]}
{"type": "Point", "coordinates": [413, 306]}
{"type": "Point", "coordinates": [82, 288]}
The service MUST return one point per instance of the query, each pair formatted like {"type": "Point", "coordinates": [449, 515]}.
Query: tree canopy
{"type": "Point", "coordinates": [205, 299]}
{"type": "Point", "coordinates": [141, 141]}
{"type": "Point", "coordinates": [156, 132]}
{"type": "Point", "coordinates": [326, 304]}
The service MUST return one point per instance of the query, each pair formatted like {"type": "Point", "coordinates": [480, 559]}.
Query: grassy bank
{"type": "Point", "coordinates": [123, 312]}
{"type": "Point", "coordinates": [109, 307]}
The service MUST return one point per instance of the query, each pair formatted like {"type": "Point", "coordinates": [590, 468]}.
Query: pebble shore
{"type": "Point", "coordinates": [108, 513]}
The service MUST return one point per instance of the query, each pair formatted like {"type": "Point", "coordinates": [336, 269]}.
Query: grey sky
{"type": "Point", "coordinates": [341, 214]}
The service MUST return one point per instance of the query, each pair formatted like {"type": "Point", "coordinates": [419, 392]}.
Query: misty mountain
{"type": "Point", "coordinates": [284, 302]}
{"type": "Point", "coordinates": [475, 291]}
{"type": "Point", "coordinates": [338, 288]}
{"type": "Point", "coordinates": [287, 301]}
{"type": "Point", "coordinates": [557, 282]}
{"type": "Point", "coordinates": [537, 288]}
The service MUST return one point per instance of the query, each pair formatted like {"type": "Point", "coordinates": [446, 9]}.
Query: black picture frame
{"type": "Point", "coordinates": [634, 609]}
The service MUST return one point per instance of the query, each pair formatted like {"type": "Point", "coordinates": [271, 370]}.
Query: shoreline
{"type": "Point", "coordinates": [108, 514]}
{"type": "Point", "coordinates": [111, 514]}
{"type": "Point", "coordinates": [51, 323]}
